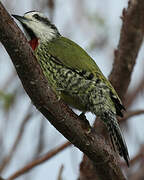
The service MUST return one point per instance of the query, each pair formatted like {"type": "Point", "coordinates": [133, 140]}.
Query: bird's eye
{"type": "Point", "coordinates": [36, 16]}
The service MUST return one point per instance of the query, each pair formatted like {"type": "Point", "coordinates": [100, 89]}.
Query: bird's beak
{"type": "Point", "coordinates": [22, 19]}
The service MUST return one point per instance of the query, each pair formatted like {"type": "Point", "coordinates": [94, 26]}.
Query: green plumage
{"type": "Point", "coordinates": [74, 75]}
{"type": "Point", "coordinates": [76, 78]}
{"type": "Point", "coordinates": [67, 55]}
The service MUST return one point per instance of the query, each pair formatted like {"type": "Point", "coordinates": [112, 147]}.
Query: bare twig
{"type": "Point", "coordinates": [131, 114]}
{"type": "Point", "coordinates": [51, 6]}
{"type": "Point", "coordinates": [40, 145]}
{"type": "Point", "coordinates": [135, 93]}
{"type": "Point", "coordinates": [137, 158]}
{"type": "Point", "coordinates": [37, 162]}
{"type": "Point", "coordinates": [7, 159]}
{"type": "Point", "coordinates": [60, 173]}
{"type": "Point", "coordinates": [138, 175]}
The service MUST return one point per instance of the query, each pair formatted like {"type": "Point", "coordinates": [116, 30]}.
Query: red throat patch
{"type": "Point", "coordinates": [33, 43]}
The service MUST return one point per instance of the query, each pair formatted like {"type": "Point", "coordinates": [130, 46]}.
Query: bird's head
{"type": "Point", "coordinates": [36, 25]}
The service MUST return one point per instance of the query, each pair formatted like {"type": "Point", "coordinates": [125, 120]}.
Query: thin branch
{"type": "Point", "coordinates": [137, 160]}
{"type": "Point", "coordinates": [40, 144]}
{"type": "Point", "coordinates": [60, 172]}
{"type": "Point", "coordinates": [8, 158]}
{"type": "Point", "coordinates": [135, 93]}
{"type": "Point", "coordinates": [138, 175]}
{"type": "Point", "coordinates": [139, 157]}
{"type": "Point", "coordinates": [39, 161]}
{"type": "Point", "coordinates": [51, 6]}
{"type": "Point", "coordinates": [131, 114]}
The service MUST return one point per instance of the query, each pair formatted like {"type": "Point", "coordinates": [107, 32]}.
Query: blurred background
{"type": "Point", "coordinates": [25, 134]}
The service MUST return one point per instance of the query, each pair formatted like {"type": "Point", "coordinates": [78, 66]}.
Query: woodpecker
{"type": "Point", "coordinates": [74, 76]}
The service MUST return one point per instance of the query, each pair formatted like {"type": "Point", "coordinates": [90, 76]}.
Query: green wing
{"type": "Point", "coordinates": [73, 56]}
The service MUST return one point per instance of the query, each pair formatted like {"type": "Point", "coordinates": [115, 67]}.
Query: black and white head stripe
{"type": "Point", "coordinates": [37, 25]}
{"type": "Point", "coordinates": [44, 20]}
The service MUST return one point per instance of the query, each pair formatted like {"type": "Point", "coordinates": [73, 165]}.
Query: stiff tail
{"type": "Point", "coordinates": [117, 138]}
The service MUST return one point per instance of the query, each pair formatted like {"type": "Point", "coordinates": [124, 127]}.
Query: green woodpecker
{"type": "Point", "coordinates": [74, 75]}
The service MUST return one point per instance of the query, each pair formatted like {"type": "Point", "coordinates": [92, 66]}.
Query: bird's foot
{"type": "Point", "coordinates": [86, 124]}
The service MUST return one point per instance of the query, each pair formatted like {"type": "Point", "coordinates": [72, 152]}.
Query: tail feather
{"type": "Point", "coordinates": [116, 136]}
{"type": "Point", "coordinates": [118, 140]}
